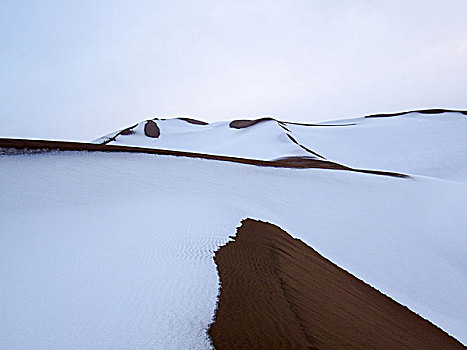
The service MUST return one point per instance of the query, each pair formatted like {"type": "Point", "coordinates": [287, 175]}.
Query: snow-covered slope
{"type": "Point", "coordinates": [115, 251]}
{"type": "Point", "coordinates": [264, 140]}
{"type": "Point", "coordinates": [413, 143]}
{"type": "Point", "coordinates": [421, 143]}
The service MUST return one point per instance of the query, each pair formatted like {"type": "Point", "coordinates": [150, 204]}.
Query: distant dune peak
{"type": "Point", "coordinates": [263, 138]}
{"type": "Point", "coordinates": [402, 142]}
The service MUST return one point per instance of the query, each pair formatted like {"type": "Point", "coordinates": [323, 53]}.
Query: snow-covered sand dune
{"type": "Point", "coordinates": [414, 143]}
{"type": "Point", "coordinates": [264, 140]}
{"type": "Point", "coordinates": [430, 143]}
{"type": "Point", "coordinates": [116, 250]}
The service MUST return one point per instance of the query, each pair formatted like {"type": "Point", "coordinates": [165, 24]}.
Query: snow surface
{"type": "Point", "coordinates": [265, 140]}
{"type": "Point", "coordinates": [431, 145]}
{"type": "Point", "coordinates": [115, 251]}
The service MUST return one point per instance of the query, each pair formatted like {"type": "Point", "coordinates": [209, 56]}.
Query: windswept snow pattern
{"type": "Point", "coordinates": [103, 250]}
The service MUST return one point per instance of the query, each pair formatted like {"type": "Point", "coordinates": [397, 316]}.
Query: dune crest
{"type": "Point", "coordinates": [278, 293]}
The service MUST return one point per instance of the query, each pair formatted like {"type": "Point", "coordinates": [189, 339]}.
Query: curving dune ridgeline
{"type": "Point", "coordinates": [279, 293]}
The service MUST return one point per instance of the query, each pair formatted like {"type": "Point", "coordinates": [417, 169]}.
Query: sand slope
{"type": "Point", "coordinates": [278, 293]}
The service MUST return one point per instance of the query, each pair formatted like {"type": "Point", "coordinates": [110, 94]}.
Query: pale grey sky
{"type": "Point", "coordinates": [80, 69]}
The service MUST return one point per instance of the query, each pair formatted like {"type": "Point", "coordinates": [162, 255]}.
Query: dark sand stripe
{"type": "Point", "coordinates": [23, 146]}
{"type": "Point", "coordinates": [193, 121]}
{"type": "Point", "coordinates": [127, 131]}
{"type": "Point", "coordinates": [422, 111]}
{"type": "Point", "coordinates": [246, 123]}
{"type": "Point", "coordinates": [278, 293]}
{"type": "Point", "coordinates": [291, 138]}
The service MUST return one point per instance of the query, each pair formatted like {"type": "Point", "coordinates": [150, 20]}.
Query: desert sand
{"type": "Point", "coordinates": [279, 293]}
{"type": "Point", "coordinates": [24, 146]}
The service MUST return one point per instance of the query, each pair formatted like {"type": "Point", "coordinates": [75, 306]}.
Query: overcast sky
{"type": "Point", "coordinates": [79, 69]}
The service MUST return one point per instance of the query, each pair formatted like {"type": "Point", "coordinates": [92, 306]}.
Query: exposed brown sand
{"type": "Point", "coordinates": [422, 111]}
{"type": "Point", "coordinates": [278, 293]}
{"type": "Point", "coordinates": [245, 123]}
{"type": "Point", "coordinates": [23, 146]}
{"type": "Point", "coordinates": [151, 129]}
{"type": "Point", "coordinates": [193, 121]}
{"type": "Point", "coordinates": [127, 131]}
